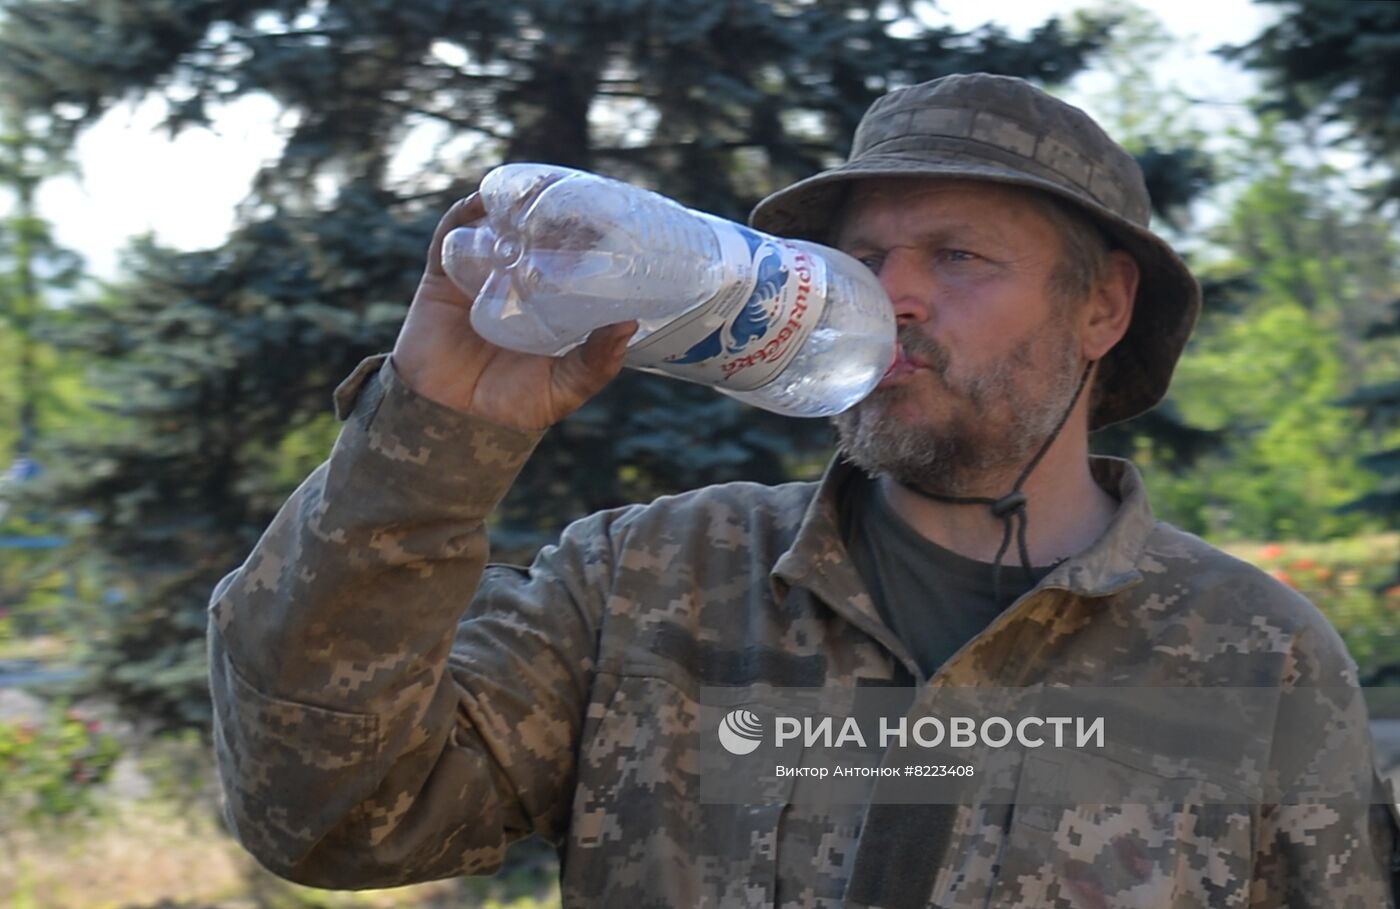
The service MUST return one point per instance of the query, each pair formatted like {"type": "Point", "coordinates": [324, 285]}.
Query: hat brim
{"type": "Point", "coordinates": [1133, 376]}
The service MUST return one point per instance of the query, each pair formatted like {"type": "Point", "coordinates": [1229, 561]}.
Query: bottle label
{"type": "Point", "coordinates": [746, 334]}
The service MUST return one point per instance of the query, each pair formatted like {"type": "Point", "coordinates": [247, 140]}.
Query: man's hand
{"type": "Point", "coordinates": [442, 358]}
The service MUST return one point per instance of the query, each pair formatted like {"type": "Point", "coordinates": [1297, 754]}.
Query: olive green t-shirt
{"type": "Point", "coordinates": [934, 600]}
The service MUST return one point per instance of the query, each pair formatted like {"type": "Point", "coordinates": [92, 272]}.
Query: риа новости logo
{"type": "Point", "coordinates": [740, 731]}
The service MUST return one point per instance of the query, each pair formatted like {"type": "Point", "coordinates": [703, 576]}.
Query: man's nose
{"type": "Point", "coordinates": [908, 285]}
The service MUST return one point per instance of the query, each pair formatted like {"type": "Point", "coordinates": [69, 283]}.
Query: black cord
{"type": "Point", "coordinates": [1012, 506]}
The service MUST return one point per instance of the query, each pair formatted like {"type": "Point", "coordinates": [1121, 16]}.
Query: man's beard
{"type": "Point", "coordinates": [995, 423]}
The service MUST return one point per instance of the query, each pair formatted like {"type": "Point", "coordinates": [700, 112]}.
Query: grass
{"type": "Point", "coordinates": [132, 855]}
{"type": "Point", "coordinates": [163, 849]}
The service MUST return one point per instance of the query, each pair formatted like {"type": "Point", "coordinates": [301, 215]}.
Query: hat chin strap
{"type": "Point", "coordinates": [1012, 506]}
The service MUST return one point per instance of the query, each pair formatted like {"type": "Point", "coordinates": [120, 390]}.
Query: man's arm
{"type": "Point", "coordinates": [351, 753]}
{"type": "Point", "coordinates": [359, 743]}
{"type": "Point", "coordinates": [1331, 841]}
{"type": "Point", "coordinates": [1341, 855]}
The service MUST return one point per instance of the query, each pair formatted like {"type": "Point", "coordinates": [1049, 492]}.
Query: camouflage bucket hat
{"type": "Point", "coordinates": [1005, 130]}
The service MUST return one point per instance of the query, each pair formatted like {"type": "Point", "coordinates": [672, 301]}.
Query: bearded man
{"type": "Point", "coordinates": [391, 709]}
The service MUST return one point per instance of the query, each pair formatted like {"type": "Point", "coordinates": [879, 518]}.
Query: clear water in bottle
{"type": "Point", "coordinates": [786, 325]}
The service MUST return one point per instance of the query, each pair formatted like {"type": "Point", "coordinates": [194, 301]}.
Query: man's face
{"type": "Point", "coordinates": [990, 354]}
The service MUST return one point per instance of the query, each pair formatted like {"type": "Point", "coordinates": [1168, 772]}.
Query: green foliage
{"type": "Point", "coordinates": [1286, 466]}
{"type": "Point", "coordinates": [31, 265]}
{"type": "Point", "coordinates": [40, 387]}
{"type": "Point", "coordinates": [1334, 61]}
{"type": "Point", "coordinates": [50, 770]}
{"type": "Point", "coordinates": [37, 586]}
{"type": "Point", "coordinates": [1303, 264]}
{"type": "Point", "coordinates": [1378, 408]}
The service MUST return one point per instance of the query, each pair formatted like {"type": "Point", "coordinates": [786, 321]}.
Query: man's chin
{"type": "Point", "coordinates": [906, 404]}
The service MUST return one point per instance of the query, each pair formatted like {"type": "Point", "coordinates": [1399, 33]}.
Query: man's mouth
{"type": "Point", "coordinates": [903, 365]}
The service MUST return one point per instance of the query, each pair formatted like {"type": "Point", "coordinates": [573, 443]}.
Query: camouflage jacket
{"type": "Point", "coordinates": [389, 708]}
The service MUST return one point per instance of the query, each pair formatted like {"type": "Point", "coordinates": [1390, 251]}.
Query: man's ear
{"type": "Point", "coordinates": [1105, 316]}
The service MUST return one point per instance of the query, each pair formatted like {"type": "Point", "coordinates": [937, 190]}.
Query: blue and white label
{"type": "Point", "coordinates": [749, 332]}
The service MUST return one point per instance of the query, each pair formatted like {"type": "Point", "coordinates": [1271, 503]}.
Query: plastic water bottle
{"type": "Point", "coordinates": [787, 325]}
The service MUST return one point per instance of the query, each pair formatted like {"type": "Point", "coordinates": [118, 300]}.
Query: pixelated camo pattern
{"type": "Point", "coordinates": [391, 709]}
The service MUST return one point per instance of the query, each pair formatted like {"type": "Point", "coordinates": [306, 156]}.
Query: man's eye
{"type": "Point", "coordinates": [871, 262]}
{"type": "Point", "coordinates": [957, 255]}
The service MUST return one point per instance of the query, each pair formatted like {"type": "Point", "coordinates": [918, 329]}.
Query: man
{"type": "Point", "coordinates": [377, 723]}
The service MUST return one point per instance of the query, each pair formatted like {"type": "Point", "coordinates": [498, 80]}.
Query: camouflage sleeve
{"type": "Point", "coordinates": [366, 734]}
{"type": "Point", "coordinates": [1332, 840]}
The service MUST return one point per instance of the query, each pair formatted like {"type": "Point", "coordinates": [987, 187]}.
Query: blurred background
{"type": "Point", "coordinates": [210, 211]}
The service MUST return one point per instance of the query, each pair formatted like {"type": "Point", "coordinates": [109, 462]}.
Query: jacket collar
{"type": "Point", "coordinates": [1115, 560]}
{"type": "Point", "coordinates": [817, 558]}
